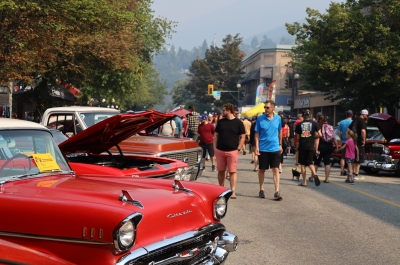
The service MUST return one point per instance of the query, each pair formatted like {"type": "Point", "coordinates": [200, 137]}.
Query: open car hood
{"type": "Point", "coordinates": [110, 132]}
{"type": "Point", "coordinates": [388, 125]}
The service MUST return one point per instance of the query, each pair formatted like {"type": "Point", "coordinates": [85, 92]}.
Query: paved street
{"type": "Point", "coordinates": [335, 223]}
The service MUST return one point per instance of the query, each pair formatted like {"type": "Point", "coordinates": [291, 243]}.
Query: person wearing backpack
{"type": "Point", "coordinates": [325, 147]}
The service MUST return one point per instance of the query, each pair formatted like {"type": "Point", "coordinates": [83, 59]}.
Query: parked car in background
{"type": "Point", "coordinates": [72, 120]}
{"type": "Point", "coordinates": [99, 219]}
{"type": "Point", "coordinates": [384, 154]}
{"type": "Point", "coordinates": [373, 136]}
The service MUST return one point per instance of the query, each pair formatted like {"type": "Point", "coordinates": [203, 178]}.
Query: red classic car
{"type": "Point", "coordinates": [89, 152]}
{"type": "Point", "coordinates": [385, 155]}
{"type": "Point", "coordinates": [99, 219]}
{"type": "Point", "coordinates": [13, 254]}
{"type": "Point", "coordinates": [73, 120]}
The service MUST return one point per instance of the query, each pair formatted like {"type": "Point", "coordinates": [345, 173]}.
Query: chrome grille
{"type": "Point", "coordinates": [190, 156]}
{"type": "Point", "coordinates": [169, 251]}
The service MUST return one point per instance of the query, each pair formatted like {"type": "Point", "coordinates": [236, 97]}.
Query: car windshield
{"type": "Point", "coordinates": [91, 118]}
{"type": "Point", "coordinates": [29, 152]}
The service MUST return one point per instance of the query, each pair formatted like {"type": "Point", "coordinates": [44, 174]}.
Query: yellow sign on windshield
{"type": "Point", "coordinates": [45, 162]}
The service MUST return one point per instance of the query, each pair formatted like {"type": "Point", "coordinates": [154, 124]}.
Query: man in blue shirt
{"type": "Point", "coordinates": [268, 141]}
{"type": "Point", "coordinates": [343, 125]}
{"type": "Point", "coordinates": [179, 127]}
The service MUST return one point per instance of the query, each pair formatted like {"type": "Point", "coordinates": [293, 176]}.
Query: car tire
{"type": "Point", "coordinates": [371, 171]}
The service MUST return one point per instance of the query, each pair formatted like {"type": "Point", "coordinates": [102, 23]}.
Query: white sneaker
{"type": "Point", "coordinates": [359, 178]}
{"type": "Point", "coordinates": [280, 170]}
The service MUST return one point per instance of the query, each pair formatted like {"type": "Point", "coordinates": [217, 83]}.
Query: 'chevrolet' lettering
{"type": "Point", "coordinates": [173, 215]}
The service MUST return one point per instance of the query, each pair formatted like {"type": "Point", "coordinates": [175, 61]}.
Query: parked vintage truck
{"type": "Point", "coordinates": [72, 120]}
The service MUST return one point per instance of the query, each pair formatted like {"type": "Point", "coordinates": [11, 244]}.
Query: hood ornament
{"type": "Point", "coordinates": [127, 198]}
{"type": "Point", "coordinates": [179, 186]}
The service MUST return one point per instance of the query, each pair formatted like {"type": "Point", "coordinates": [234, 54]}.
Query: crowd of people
{"type": "Point", "coordinates": [269, 138]}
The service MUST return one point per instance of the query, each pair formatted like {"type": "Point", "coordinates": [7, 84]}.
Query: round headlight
{"type": "Point", "coordinates": [126, 235]}
{"type": "Point", "coordinates": [220, 207]}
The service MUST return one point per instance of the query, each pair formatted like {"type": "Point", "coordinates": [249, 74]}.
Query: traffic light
{"type": "Point", "coordinates": [287, 83]}
{"type": "Point", "coordinates": [210, 90]}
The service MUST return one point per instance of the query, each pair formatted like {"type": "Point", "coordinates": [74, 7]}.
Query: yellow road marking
{"type": "Point", "coordinates": [366, 194]}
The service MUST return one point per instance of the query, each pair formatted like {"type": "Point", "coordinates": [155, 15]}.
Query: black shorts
{"type": "Point", "coordinates": [268, 160]}
{"type": "Point", "coordinates": [361, 154]}
{"type": "Point", "coordinates": [209, 148]}
{"type": "Point", "coordinates": [323, 156]}
{"type": "Point", "coordinates": [306, 157]}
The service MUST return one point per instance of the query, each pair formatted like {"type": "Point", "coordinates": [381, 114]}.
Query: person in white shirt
{"type": "Point", "coordinates": [168, 128]}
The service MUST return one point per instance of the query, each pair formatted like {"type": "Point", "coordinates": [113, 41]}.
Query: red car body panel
{"type": "Point", "coordinates": [11, 253]}
{"type": "Point", "coordinates": [91, 198]}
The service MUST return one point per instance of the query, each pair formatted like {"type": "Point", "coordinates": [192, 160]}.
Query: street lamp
{"type": "Point", "coordinates": [238, 88]}
{"type": "Point", "coordinates": [294, 88]}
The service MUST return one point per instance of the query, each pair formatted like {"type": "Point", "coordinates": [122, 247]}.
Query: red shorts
{"type": "Point", "coordinates": [227, 160]}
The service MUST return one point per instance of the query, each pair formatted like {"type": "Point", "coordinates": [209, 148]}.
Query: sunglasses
{"type": "Point", "coordinates": [267, 107]}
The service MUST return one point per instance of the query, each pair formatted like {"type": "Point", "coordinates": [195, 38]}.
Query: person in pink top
{"type": "Point", "coordinates": [351, 154]}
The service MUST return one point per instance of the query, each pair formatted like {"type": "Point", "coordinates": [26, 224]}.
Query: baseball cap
{"type": "Point", "coordinates": [349, 113]}
{"type": "Point", "coordinates": [364, 112]}
{"type": "Point", "coordinates": [306, 112]}
{"type": "Point", "coordinates": [202, 117]}
{"type": "Point", "coordinates": [280, 112]}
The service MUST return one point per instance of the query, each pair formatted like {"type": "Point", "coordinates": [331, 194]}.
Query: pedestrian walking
{"type": "Point", "coordinates": [291, 134]}
{"type": "Point", "coordinates": [296, 137]}
{"type": "Point", "coordinates": [285, 141]}
{"type": "Point", "coordinates": [268, 140]}
{"type": "Point", "coordinates": [326, 147]}
{"type": "Point", "coordinates": [342, 129]}
{"type": "Point", "coordinates": [309, 133]}
{"type": "Point", "coordinates": [206, 132]}
{"type": "Point", "coordinates": [359, 127]}
{"type": "Point", "coordinates": [168, 128]}
{"type": "Point", "coordinates": [254, 157]}
{"type": "Point", "coordinates": [228, 140]}
{"type": "Point", "coordinates": [352, 154]}
{"type": "Point", "coordinates": [184, 126]}
{"type": "Point", "coordinates": [193, 123]}
{"type": "Point", "coordinates": [179, 127]}
{"type": "Point", "coordinates": [247, 126]}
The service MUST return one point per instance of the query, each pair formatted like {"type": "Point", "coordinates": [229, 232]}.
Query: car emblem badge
{"type": "Point", "coordinates": [173, 215]}
{"type": "Point", "coordinates": [189, 253]}
{"type": "Point", "coordinates": [186, 160]}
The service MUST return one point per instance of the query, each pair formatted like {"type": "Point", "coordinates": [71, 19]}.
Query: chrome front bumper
{"type": "Point", "coordinates": [383, 162]}
{"type": "Point", "coordinates": [209, 245]}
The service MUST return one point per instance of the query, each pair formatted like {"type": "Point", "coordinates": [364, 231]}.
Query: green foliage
{"type": "Point", "coordinates": [86, 43]}
{"type": "Point", "coordinates": [220, 67]}
{"type": "Point", "coordinates": [255, 43]}
{"type": "Point", "coordinates": [351, 52]}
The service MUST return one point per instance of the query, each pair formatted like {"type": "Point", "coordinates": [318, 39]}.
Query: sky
{"type": "Point", "coordinates": [200, 20]}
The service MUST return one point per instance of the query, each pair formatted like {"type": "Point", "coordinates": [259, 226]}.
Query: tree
{"type": "Point", "coordinates": [351, 52]}
{"type": "Point", "coordinates": [255, 43]}
{"type": "Point", "coordinates": [267, 41]}
{"type": "Point", "coordinates": [221, 67]}
{"type": "Point", "coordinates": [75, 41]}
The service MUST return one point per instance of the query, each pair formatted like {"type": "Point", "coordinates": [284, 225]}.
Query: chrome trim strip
{"type": "Point", "coordinates": [140, 252]}
{"type": "Point", "coordinates": [179, 151]}
{"type": "Point", "coordinates": [58, 239]}
{"type": "Point", "coordinates": [184, 236]}
{"type": "Point", "coordinates": [226, 194]}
